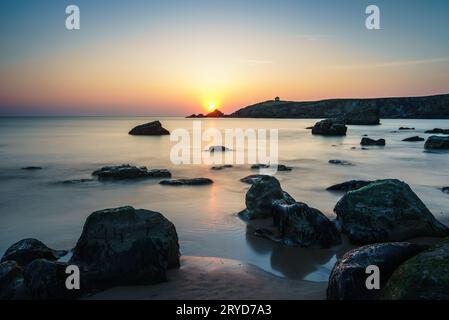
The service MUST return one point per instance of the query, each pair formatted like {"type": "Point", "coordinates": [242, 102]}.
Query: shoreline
{"type": "Point", "coordinates": [208, 278]}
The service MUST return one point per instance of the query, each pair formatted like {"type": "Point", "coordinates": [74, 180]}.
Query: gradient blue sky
{"type": "Point", "coordinates": [177, 57]}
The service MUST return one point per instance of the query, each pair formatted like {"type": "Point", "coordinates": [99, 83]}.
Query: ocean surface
{"type": "Point", "coordinates": [37, 204]}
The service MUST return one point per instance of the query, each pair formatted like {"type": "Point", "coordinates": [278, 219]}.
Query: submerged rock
{"type": "Point", "coordinates": [438, 131]}
{"type": "Point", "coordinates": [253, 178]}
{"type": "Point", "coordinates": [414, 139]}
{"type": "Point", "coordinates": [28, 250]}
{"type": "Point", "coordinates": [11, 280]}
{"type": "Point", "coordinates": [260, 197]}
{"type": "Point", "coordinates": [127, 172]}
{"type": "Point", "coordinates": [32, 168]}
{"type": "Point", "coordinates": [445, 189]}
{"type": "Point", "coordinates": [46, 280]}
{"type": "Point", "coordinates": [280, 167]}
{"type": "Point", "coordinates": [437, 142]}
{"type": "Point", "coordinates": [330, 127]}
{"type": "Point", "coordinates": [406, 128]}
{"type": "Point", "coordinates": [126, 246]}
{"type": "Point", "coordinates": [386, 210]}
{"type": "Point", "coordinates": [149, 129]}
{"type": "Point", "coordinates": [78, 181]}
{"type": "Point", "coordinates": [348, 277]}
{"type": "Point", "coordinates": [300, 225]}
{"type": "Point", "coordinates": [218, 149]}
{"type": "Point", "coordinates": [340, 162]}
{"type": "Point", "coordinates": [371, 142]}
{"type": "Point", "coordinates": [187, 182]}
{"type": "Point", "coordinates": [423, 277]}
{"type": "Point", "coordinates": [226, 166]}
{"type": "Point", "coordinates": [349, 185]}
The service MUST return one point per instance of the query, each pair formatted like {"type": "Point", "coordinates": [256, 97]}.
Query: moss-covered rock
{"type": "Point", "coordinates": [386, 210]}
{"type": "Point", "coordinates": [423, 277]}
{"type": "Point", "coordinates": [260, 197]}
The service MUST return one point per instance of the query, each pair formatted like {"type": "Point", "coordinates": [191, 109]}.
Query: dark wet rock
{"type": "Point", "coordinates": [149, 129]}
{"type": "Point", "coordinates": [406, 128]}
{"type": "Point", "coordinates": [11, 280]}
{"type": "Point", "coordinates": [372, 142]}
{"type": "Point", "coordinates": [445, 190]}
{"type": "Point", "coordinates": [226, 166]}
{"type": "Point", "coordinates": [386, 210]}
{"type": "Point", "coordinates": [280, 167]}
{"type": "Point", "coordinates": [46, 280]}
{"type": "Point", "coordinates": [309, 128]}
{"type": "Point", "coordinates": [438, 131]}
{"type": "Point", "coordinates": [349, 185]}
{"type": "Point", "coordinates": [126, 246]}
{"type": "Point", "coordinates": [253, 178]}
{"type": "Point", "coordinates": [413, 139]}
{"type": "Point", "coordinates": [330, 127]}
{"type": "Point", "coordinates": [340, 162]}
{"type": "Point", "coordinates": [218, 149]}
{"type": "Point", "coordinates": [300, 225]}
{"type": "Point", "coordinates": [260, 197]}
{"type": "Point", "coordinates": [27, 250]}
{"type": "Point", "coordinates": [127, 172]}
{"type": "Point", "coordinates": [187, 182]}
{"type": "Point", "coordinates": [78, 181]}
{"type": "Point", "coordinates": [437, 142]}
{"type": "Point", "coordinates": [348, 277]}
{"type": "Point", "coordinates": [423, 277]}
{"type": "Point", "coordinates": [32, 168]}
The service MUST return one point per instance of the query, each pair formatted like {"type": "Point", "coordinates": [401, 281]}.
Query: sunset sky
{"type": "Point", "coordinates": [176, 57]}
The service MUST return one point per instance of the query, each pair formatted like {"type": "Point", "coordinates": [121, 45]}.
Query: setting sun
{"type": "Point", "coordinates": [211, 106]}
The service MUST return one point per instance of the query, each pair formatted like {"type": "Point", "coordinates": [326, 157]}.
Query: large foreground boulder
{"type": "Point", "coordinates": [260, 197]}
{"type": "Point", "coordinates": [386, 210]}
{"type": "Point", "coordinates": [423, 277]}
{"type": "Point", "coordinates": [300, 225]}
{"type": "Point", "coordinates": [330, 127]}
{"type": "Point", "coordinates": [126, 246]}
{"type": "Point", "coordinates": [437, 142]}
{"type": "Point", "coordinates": [28, 250]}
{"type": "Point", "coordinates": [128, 172]}
{"type": "Point", "coordinates": [348, 277]}
{"type": "Point", "coordinates": [46, 280]}
{"type": "Point", "coordinates": [149, 129]}
{"type": "Point", "coordinates": [11, 280]}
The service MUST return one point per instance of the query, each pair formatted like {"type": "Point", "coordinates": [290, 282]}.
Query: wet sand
{"type": "Point", "coordinates": [205, 278]}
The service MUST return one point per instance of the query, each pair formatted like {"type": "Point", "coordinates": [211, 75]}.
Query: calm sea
{"type": "Point", "coordinates": [36, 203]}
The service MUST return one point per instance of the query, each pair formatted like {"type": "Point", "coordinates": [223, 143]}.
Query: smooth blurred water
{"type": "Point", "coordinates": [36, 204]}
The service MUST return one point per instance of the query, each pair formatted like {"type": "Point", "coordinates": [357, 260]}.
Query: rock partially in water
{"type": "Point", "coordinates": [437, 142]}
{"type": "Point", "coordinates": [340, 162]}
{"type": "Point", "coordinates": [126, 246]}
{"type": "Point", "coordinates": [280, 167]}
{"type": "Point", "coordinates": [149, 129]}
{"type": "Point", "coordinates": [128, 172]}
{"type": "Point", "coordinates": [348, 277]}
{"type": "Point", "coordinates": [46, 280]}
{"type": "Point", "coordinates": [330, 127]}
{"type": "Point", "coordinates": [300, 225]}
{"type": "Point", "coordinates": [11, 280]}
{"type": "Point", "coordinates": [253, 178]}
{"type": "Point", "coordinates": [438, 131]}
{"type": "Point", "coordinates": [445, 189]}
{"type": "Point", "coordinates": [386, 210]}
{"type": "Point", "coordinates": [28, 250]}
{"type": "Point", "coordinates": [349, 185]}
{"type": "Point", "coordinates": [226, 166]}
{"type": "Point", "coordinates": [423, 277]}
{"type": "Point", "coordinates": [406, 128]}
{"type": "Point", "coordinates": [218, 149]}
{"type": "Point", "coordinates": [78, 181]}
{"type": "Point", "coordinates": [187, 182]}
{"type": "Point", "coordinates": [260, 197]}
{"type": "Point", "coordinates": [371, 142]}
{"type": "Point", "coordinates": [414, 139]}
{"type": "Point", "coordinates": [32, 168]}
